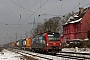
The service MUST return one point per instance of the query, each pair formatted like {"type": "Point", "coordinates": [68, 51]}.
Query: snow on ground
{"type": "Point", "coordinates": [47, 56]}
{"type": "Point", "coordinates": [81, 50]}
{"type": "Point", "coordinates": [7, 55]}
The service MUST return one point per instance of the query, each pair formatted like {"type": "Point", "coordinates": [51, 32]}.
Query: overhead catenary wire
{"type": "Point", "coordinates": [25, 8]}
{"type": "Point", "coordinates": [22, 7]}
{"type": "Point", "coordinates": [21, 14]}
{"type": "Point", "coordinates": [40, 5]}
{"type": "Point", "coordinates": [41, 14]}
{"type": "Point", "coordinates": [47, 13]}
{"type": "Point", "coordinates": [33, 12]}
{"type": "Point", "coordinates": [76, 8]}
{"type": "Point", "coordinates": [34, 4]}
{"type": "Point", "coordinates": [29, 17]}
{"type": "Point", "coordinates": [31, 6]}
{"type": "Point", "coordinates": [27, 4]}
{"type": "Point", "coordinates": [7, 14]}
{"type": "Point", "coordinates": [8, 9]}
{"type": "Point", "coordinates": [58, 7]}
{"type": "Point", "coordinates": [61, 8]}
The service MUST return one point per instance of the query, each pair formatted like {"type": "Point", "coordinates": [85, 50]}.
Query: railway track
{"type": "Point", "coordinates": [31, 54]}
{"type": "Point", "coordinates": [58, 56]}
{"type": "Point", "coordinates": [74, 55]}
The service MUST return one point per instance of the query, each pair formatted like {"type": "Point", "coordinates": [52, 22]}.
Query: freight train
{"type": "Point", "coordinates": [47, 42]}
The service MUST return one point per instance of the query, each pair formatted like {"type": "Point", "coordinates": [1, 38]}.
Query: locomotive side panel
{"type": "Point", "coordinates": [38, 44]}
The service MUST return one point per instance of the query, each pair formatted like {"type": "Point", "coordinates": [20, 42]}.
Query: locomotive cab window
{"type": "Point", "coordinates": [54, 36]}
{"type": "Point", "coordinates": [40, 39]}
{"type": "Point", "coordinates": [43, 39]}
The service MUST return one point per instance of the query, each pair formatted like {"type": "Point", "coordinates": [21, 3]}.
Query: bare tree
{"type": "Point", "coordinates": [54, 24]}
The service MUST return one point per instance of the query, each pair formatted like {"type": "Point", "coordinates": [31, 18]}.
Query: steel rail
{"type": "Point", "coordinates": [74, 55]}
{"type": "Point", "coordinates": [25, 54]}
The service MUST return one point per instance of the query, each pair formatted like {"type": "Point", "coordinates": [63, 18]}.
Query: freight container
{"type": "Point", "coordinates": [23, 44]}
{"type": "Point", "coordinates": [13, 44]}
{"type": "Point", "coordinates": [29, 43]}
{"type": "Point", "coordinates": [17, 43]}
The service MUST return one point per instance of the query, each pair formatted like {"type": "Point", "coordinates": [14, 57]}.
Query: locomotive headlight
{"type": "Point", "coordinates": [60, 44]}
{"type": "Point", "coordinates": [47, 44]}
{"type": "Point", "coordinates": [53, 33]}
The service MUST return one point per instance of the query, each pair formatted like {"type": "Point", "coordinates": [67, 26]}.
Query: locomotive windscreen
{"type": "Point", "coordinates": [54, 36]}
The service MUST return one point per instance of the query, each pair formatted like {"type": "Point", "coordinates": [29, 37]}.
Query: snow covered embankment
{"type": "Point", "coordinates": [8, 55]}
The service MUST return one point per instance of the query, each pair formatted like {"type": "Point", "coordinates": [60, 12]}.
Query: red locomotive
{"type": "Point", "coordinates": [48, 42]}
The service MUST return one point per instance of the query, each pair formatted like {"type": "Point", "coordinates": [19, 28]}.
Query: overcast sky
{"type": "Point", "coordinates": [17, 16]}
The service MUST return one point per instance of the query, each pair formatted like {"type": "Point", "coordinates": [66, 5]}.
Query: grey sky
{"type": "Point", "coordinates": [14, 12]}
